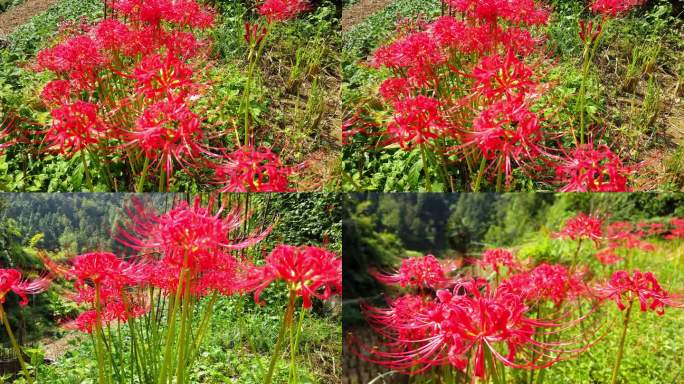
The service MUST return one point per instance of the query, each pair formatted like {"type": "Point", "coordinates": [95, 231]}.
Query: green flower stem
{"type": "Point", "coordinates": [143, 175]}
{"type": "Point", "coordinates": [253, 61]}
{"type": "Point", "coordinates": [15, 345]}
{"type": "Point", "coordinates": [574, 256]}
{"type": "Point", "coordinates": [294, 346]}
{"type": "Point", "coordinates": [587, 58]}
{"type": "Point", "coordinates": [204, 323]}
{"type": "Point", "coordinates": [583, 89]}
{"type": "Point", "coordinates": [287, 321]}
{"type": "Point", "coordinates": [89, 180]}
{"type": "Point", "coordinates": [621, 348]}
{"type": "Point", "coordinates": [426, 169]}
{"type": "Point", "coordinates": [171, 329]}
{"type": "Point", "coordinates": [480, 174]}
{"type": "Point", "coordinates": [183, 342]}
{"type": "Point", "coordinates": [99, 348]}
{"type": "Point", "coordinates": [162, 180]}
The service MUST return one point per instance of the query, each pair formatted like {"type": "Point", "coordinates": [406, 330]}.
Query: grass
{"type": "Point", "coordinates": [237, 348]}
{"type": "Point", "coordinates": [654, 349]}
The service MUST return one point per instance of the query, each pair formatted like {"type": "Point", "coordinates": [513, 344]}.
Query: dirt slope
{"type": "Point", "coordinates": [21, 13]}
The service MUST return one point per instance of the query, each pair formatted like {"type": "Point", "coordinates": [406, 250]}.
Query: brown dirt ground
{"type": "Point", "coordinates": [20, 14]}
{"type": "Point", "coordinates": [358, 12]}
{"type": "Point", "coordinates": [56, 348]}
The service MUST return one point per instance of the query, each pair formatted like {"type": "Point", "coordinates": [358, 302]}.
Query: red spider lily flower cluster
{"type": "Point", "coordinates": [418, 272]}
{"type": "Point", "coordinates": [281, 10]}
{"type": "Point", "coordinates": [189, 236]}
{"type": "Point", "coordinates": [458, 327]}
{"type": "Point", "coordinates": [497, 258]}
{"type": "Point", "coordinates": [191, 243]}
{"type": "Point", "coordinates": [106, 285]}
{"type": "Point", "coordinates": [642, 286]}
{"type": "Point", "coordinates": [494, 118]}
{"type": "Point", "coordinates": [623, 234]}
{"type": "Point", "coordinates": [607, 256]}
{"type": "Point", "coordinates": [589, 169]}
{"type": "Point", "coordinates": [487, 110]}
{"type": "Point", "coordinates": [583, 226]}
{"type": "Point", "coordinates": [613, 8]}
{"type": "Point", "coordinates": [308, 271]}
{"type": "Point", "coordinates": [253, 169]}
{"type": "Point", "coordinates": [552, 282]}
{"type": "Point", "coordinates": [128, 89]}
{"type": "Point", "coordinates": [677, 231]}
{"type": "Point", "coordinates": [12, 280]}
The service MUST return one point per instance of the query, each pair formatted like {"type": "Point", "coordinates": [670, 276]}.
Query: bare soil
{"type": "Point", "coordinates": [21, 14]}
{"type": "Point", "coordinates": [56, 348]}
{"type": "Point", "coordinates": [358, 12]}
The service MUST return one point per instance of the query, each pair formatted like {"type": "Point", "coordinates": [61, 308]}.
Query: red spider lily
{"type": "Point", "coordinates": [613, 8]}
{"type": "Point", "coordinates": [416, 54]}
{"type": "Point", "coordinates": [607, 256]}
{"type": "Point", "coordinates": [114, 311]}
{"type": "Point", "coordinates": [593, 170]}
{"type": "Point", "coordinates": [281, 10]}
{"type": "Point", "coordinates": [587, 32]}
{"type": "Point", "coordinates": [418, 272]}
{"type": "Point", "coordinates": [450, 33]}
{"type": "Point", "coordinates": [497, 258]}
{"type": "Point", "coordinates": [161, 76]}
{"type": "Point", "coordinates": [78, 58]}
{"type": "Point", "coordinates": [56, 92]}
{"type": "Point", "coordinates": [196, 237]}
{"type": "Point", "coordinates": [401, 319]}
{"type": "Point", "coordinates": [168, 132]}
{"type": "Point", "coordinates": [552, 282]}
{"type": "Point", "coordinates": [499, 75]}
{"type": "Point", "coordinates": [519, 12]}
{"type": "Point", "coordinates": [254, 33]}
{"type": "Point", "coordinates": [106, 268]}
{"type": "Point", "coordinates": [112, 34]}
{"type": "Point", "coordinates": [183, 13]}
{"type": "Point", "coordinates": [11, 280]}
{"type": "Point", "coordinates": [677, 230]}
{"type": "Point", "coordinates": [650, 229]}
{"type": "Point", "coordinates": [394, 89]}
{"type": "Point", "coordinates": [506, 131]}
{"type": "Point", "coordinates": [416, 120]}
{"type": "Point", "coordinates": [307, 270]}
{"type": "Point", "coordinates": [583, 226]}
{"type": "Point", "coordinates": [250, 169]}
{"type": "Point", "coordinates": [85, 322]}
{"type": "Point", "coordinates": [641, 286]}
{"type": "Point", "coordinates": [622, 234]}
{"type": "Point", "coordinates": [458, 326]}
{"type": "Point", "coordinates": [74, 127]}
